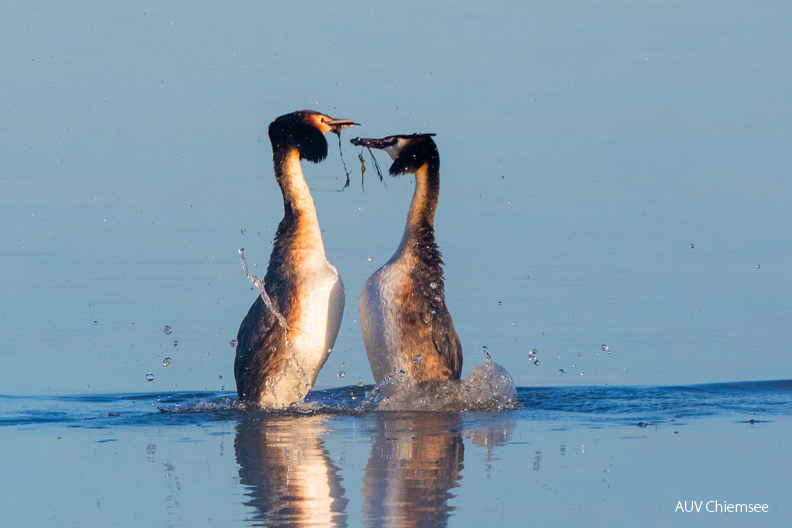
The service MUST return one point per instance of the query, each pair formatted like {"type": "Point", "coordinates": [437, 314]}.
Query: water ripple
{"type": "Point", "coordinates": [586, 404]}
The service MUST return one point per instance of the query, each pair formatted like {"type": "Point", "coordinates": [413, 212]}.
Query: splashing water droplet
{"type": "Point", "coordinates": [581, 373]}
{"type": "Point", "coordinates": [418, 358]}
{"type": "Point", "coordinates": [360, 382]}
{"type": "Point", "coordinates": [96, 323]}
{"type": "Point", "coordinates": [691, 246]}
{"type": "Point", "coordinates": [536, 362]}
{"type": "Point", "coordinates": [438, 299]}
{"type": "Point", "coordinates": [175, 343]}
{"type": "Point", "coordinates": [341, 373]}
{"type": "Point", "coordinates": [433, 285]}
{"type": "Point", "coordinates": [232, 343]}
{"type": "Point", "coordinates": [149, 377]}
{"type": "Point", "coordinates": [605, 348]}
{"type": "Point", "coordinates": [402, 373]}
{"type": "Point", "coordinates": [370, 259]}
{"type": "Point", "coordinates": [222, 388]}
{"type": "Point", "coordinates": [243, 231]}
{"type": "Point", "coordinates": [166, 362]}
{"type": "Point", "coordinates": [330, 350]}
{"type": "Point", "coordinates": [167, 330]}
{"type": "Point", "coordinates": [562, 371]}
{"type": "Point", "coordinates": [486, 350]}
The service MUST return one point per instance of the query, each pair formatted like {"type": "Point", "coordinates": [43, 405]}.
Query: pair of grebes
{"type": "Point", "coordinates": [291, 329]}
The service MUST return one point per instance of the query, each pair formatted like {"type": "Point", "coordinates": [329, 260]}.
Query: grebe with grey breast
{"type": "Point", "coordinates": [281, 347]}
{"type": "Point", "coordinates": [407, 329]}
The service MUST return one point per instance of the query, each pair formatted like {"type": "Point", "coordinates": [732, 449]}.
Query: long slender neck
{"type": "Point", "coordinates": [420, 219]}
{"type": "Point", "coordinates": [296, 194]}
{"type": "Point", "coordinates": [299, 228]}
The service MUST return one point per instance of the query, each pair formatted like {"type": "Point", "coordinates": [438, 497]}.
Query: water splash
{"type": "Point", "coordinates": [258, 283]}
{"type": "Point", "coordinates": [488, 388]}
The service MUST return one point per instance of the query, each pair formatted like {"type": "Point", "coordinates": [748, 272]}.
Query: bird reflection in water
{"type": "Point", "coordinates": [415, 462]}
{"type": "Point", "coordinates": [288, 471]}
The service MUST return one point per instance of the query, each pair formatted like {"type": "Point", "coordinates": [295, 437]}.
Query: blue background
{"type": "Point", "coordinates": [615, 174]}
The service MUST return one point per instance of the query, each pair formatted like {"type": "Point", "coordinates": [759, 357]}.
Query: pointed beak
{"type": "Point", "coordinates": [336, 125]}
{"type": "Point", "coordinates": [371, 143]}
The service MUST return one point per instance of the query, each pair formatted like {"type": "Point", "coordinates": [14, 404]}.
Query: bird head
{"type": "Point", "coordinates": [304, 130]}
{"type": "Point", "coordinates": [408, 152]}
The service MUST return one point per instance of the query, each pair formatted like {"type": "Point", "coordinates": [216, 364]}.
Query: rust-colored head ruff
{"type": "Point", "coordinates": [304, 130]}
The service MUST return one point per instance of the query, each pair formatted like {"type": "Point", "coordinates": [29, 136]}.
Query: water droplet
{"type": "Point", "coordinates": [96, 323]}
{"type": "Point", "coordinates": [149, 377]}
{"type": "Point", "coordinates": [370, 259]}
{"type": "Point", "coordinates": [222, 388]}
{"type": "Point", "coordinates": [167, 330]}
{"type": "Point", "coordinates": [175, 343]}
{"type": "Point", "coordinates": [166, 362]}
{"type": "Point", "coordinates": [486, 350]}
{"type": "Point", "coordinates": [605, 348]}
{"type": "Point", "coordinates": [438, 299]}
{"type": "Point", "coordinates": [418, 358]}
{"type": "Point", "coordinates": [758, 266]}
{"type": "Point", "coordinates": [341, 373]}
{"type": "Point", "coordinates": [500, 303]}
{"type": "Point", "coordinates": [581, 373]}
{"type": "Point", "coordinates": [691, 246]}
{"type": "Point", "coordinates": [232, 343]}
{"type": "Point", "coordinates": [536, 362]}
{"type": "Point", "coordinates": [562, 371]}
{"type": "Point", "coordinates": [360, 382]}
{"type": "Point", "coordinates": [330, 350]}
{"type": "Point", "coordinates": [402, 373]}
{"type": "Point", "coordinates": [433, 285]}
{"type": "Point", "coordinates": [244, 231]}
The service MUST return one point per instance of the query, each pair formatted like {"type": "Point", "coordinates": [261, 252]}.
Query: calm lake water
{"type": "Point", "coordinates": [615, 190]}
{"type": "Point", "coordinates": [573, 456]}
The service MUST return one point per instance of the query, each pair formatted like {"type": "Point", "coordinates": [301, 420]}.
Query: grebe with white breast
{"type": "Point", "coordinates": [407, 329]}
{"type": "Point", "coordinates": [281, 347]}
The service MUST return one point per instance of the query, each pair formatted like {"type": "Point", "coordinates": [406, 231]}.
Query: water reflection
{"type": "Point", "coordinates": [416, 459]}
{"type": "Point", "coordinates": [288, 472]}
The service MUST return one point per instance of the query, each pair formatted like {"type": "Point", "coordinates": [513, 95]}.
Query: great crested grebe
{"type": "Point", "coordinates": [407, 329]}
{"type": "Point", "coordinates": [281, 347]}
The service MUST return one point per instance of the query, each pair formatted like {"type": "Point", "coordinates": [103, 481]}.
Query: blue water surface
{"type": "Point", "coordinates": [201, 459]}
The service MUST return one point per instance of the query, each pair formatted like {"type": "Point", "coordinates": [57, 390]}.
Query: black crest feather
{"type": "Point", "coordinates": [295, 131]}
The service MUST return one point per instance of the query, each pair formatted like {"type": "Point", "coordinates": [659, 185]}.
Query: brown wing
{"type": "Point", "coordinates": [260, 351]}
{"type": "Point", "coordinates": [427, 278]}
{"type": "Point", "coordinates": [446, 341]}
